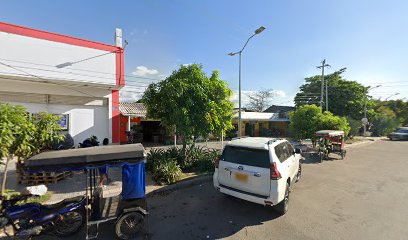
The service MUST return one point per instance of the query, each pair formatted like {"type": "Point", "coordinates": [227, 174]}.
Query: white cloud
{"type": "Point", "coordinates": [279, 93]}
{"type": "Point", "coordinates": [131, 94]}
{"type": "Point", "coordinates": [142, 71]}
{"type": "Point", "coordinates": [186, 64]}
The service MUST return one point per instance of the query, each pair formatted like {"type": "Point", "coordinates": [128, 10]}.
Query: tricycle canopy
{"type": "Point", "coordinates": [329, 133]}
{"type": "Point", "coordinates": [86, 158]}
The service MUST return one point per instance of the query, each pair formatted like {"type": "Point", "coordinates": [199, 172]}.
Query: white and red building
{"type": "Point", "coordinates": [75, 78]}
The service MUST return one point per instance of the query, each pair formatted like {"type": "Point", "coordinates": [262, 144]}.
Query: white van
{"type": "Point", "coordinates": [259, 170]}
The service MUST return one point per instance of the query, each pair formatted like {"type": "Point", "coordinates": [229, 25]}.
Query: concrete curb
{"type": "Point", "coordinates": [364, 142]}
{"type": "Point", "coordinates": [182, 184]}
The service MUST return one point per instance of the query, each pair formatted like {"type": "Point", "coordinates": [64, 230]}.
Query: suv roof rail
{"type": "Point", "coordinates": [236, 138]}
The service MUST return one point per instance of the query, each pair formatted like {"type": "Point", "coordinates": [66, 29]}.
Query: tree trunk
{"type": "Point", "coordinates": [184, 147]}
{"type": "Point", "coordinates": [3, 183]}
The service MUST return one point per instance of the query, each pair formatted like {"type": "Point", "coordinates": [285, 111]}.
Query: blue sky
{"type": "Point", "coordinates": [370, 38]}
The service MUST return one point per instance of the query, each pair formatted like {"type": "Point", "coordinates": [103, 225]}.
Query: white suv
{"type": "Point", "coordinates": [259, 170]}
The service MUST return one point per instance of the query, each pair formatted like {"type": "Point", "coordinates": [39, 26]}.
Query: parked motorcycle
{"type": "Point", "coordinates": [89, 142]}
{"type": "Point", "coordinates": [29, 219]}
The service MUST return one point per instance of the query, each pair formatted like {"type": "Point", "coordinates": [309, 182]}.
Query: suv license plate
{"type": "Point", "coordinates": [241, 177]}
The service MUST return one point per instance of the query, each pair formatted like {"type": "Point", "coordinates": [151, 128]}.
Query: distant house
{"type": "Point", "coordinates": [262, 124]}
{"type": "Point", "coordinates": [133, 119]}
{"type": "Point", "coordinates": [279, 109]}
{"type": "Point", "coordinates": [273, 122]}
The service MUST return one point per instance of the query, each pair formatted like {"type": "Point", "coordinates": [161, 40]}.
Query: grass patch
{"type": "Point", "coordinates": [9, 193]}
{"type": "Point", "coordinates": [41, 199]}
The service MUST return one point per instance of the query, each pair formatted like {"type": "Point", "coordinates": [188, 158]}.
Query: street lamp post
{"type": "Point", "coordinates": [395, 94]}
{"type": "Point", "coordinates": [257, 31]}
{"type": "Point", "coordinates": [365, 111]}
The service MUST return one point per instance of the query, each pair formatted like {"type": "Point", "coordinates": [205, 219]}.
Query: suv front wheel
{"type": "Point", "coordinates": [282, 207]}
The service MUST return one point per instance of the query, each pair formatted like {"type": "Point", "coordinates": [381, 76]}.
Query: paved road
{"type": "Point", "coordinates": [362, 197]}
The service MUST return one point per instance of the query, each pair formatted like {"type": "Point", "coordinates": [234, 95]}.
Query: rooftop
{"type": "Point", "coordinates": [261, 116]}
{"type": "Point", "coordinates": [133, 109]}
{"type": "Point", "coordinates": [276, 109]}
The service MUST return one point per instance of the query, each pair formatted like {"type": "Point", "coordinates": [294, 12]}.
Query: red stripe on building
{"type": "Point", "coordinates": [30, 32]}
{"type": "Point", "coordinates": [120, 68]}
{"type": "Point", "coordinates": [115, 117]}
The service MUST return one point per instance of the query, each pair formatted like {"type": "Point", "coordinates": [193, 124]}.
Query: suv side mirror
{"type": "Point", "coordinates": [298, 151]}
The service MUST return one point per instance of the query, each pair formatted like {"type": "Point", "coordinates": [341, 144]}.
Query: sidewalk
{"type": "Point", "coordinates": [76, 185]}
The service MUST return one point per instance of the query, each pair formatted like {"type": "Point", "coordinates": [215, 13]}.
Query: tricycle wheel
{"type": "Point", "coordinates": [130, 225]}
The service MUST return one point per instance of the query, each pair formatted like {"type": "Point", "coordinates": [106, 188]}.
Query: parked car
{"type": "Point", "coordinates": [259, 170]}
{"type": "Point", "coordinates": [400, 134]}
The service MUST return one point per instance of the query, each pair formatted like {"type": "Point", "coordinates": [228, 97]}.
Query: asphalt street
{"type": "Point", "coordinates": [364, 196]}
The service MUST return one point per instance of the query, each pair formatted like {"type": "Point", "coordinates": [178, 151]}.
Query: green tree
{"type": "Point", "coordinates": [191, 103]}
{"type": "Point", "coordinates": [384, 121]}
{"type": "Point", "coordinates": [20, 136]}
{"type": "Point", "coordinates": [308, 119]}
{"type": "Point", "coordinates": [303, 121]}
{"type": "Point", "coordinates": [48, 130]}
{"type": "Point", "coordinates": [329, 121]}
{"type": "Point", "coordinates": [399, 107]}
{"type": "Point", "coordinates": [16, 132]}
{"type": "Point", "coordinates": [346, 98]}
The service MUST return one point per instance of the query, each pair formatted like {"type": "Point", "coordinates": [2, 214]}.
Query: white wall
{"type": "Point", "coordinates": [84, 121]}
{"type": "Point", "coordinates": [40, 57]}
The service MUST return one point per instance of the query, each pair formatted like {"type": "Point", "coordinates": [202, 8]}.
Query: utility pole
{"type": "Point", "coordinates": [324, 65]}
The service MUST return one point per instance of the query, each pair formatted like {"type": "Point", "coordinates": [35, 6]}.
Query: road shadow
{"type": "Point", "coordinates": [314, 158]}
{"type": "Point", "coordinates": [200, 212]}
{"type": "Point", "coordinates": [195, 212]}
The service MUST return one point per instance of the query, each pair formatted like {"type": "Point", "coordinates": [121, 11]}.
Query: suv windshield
{"type": "Point", "coordinates": [246, 156]}
{"type": "Point", "coordinates": [402, 130]}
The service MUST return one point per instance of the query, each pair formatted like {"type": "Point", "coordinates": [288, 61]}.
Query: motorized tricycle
{"type": "Point", "coordinates": [330, 141]}
{"type": "Point", "coordinates": [128, 210]}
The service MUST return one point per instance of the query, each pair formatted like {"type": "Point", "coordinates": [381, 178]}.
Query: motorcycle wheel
{"type": "Point", "coordinates": [130, 225]}
{"type": "Point", "coordinates": [69, 223]}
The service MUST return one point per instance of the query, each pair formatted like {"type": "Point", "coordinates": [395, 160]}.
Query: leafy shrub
{"type": "Point", "coordinates": [166, 164]}
{"type": "Point", "coordinates": [203, 159]}
{"type": "Point", "coordinates": [154, 155]}
{"type": "Point", "coordinates": [166, 171]}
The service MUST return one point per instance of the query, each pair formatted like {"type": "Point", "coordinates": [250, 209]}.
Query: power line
{"type": "Point", "coordinates": [67, 79]}
{"type": "Point", "coordinates": [55, 71]}
{"type": "Point", "coordinates": [78, 69]}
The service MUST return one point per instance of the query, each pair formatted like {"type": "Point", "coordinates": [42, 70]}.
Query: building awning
{"type": "Point", "coordinates": [261, 117]}
{"type": "Point", "coordinates": [133, 109]}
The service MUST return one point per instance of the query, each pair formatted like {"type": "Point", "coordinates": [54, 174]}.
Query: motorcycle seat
{"type": "Point", "coordinates": [62, 204]}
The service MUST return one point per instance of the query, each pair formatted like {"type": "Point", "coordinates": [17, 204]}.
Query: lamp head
{"type": "Point", "coordinates": [259, 30]}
